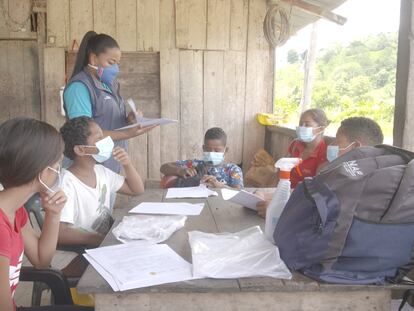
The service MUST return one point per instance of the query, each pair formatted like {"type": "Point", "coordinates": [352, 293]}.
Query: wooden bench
{"type": "Point", "coordinates": [299, 293]}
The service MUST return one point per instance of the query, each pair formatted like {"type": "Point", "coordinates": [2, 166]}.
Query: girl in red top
{"type": "Point", "coordinates": [30, 153]}
{"type": "Point", "coordinates": [309, 146]}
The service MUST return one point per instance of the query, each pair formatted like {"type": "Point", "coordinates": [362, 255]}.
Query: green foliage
{"type": "Point", "coordinates": [292, 57]}
{"type": "Point", "coordinates": [357, 79]}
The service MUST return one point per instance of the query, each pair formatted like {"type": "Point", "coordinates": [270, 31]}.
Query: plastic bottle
{"type": "Point", "coordinates": [281, 196]}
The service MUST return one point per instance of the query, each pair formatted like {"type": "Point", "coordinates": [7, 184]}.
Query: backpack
{"type": "Point", "coordinates": [354, 222]}
{"type": "Point", "coordinates": [182, 182]}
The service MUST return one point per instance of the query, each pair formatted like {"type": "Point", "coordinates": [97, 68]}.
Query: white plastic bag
{"type": "Point", "coordinates": [152, 229]}
{"type": "Point", "coordinates": [233, 255]}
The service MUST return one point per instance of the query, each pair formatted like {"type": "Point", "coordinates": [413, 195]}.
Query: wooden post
{"type": "Point", "coordinates": [309, 70]}
{"type": "Point", "coordinates": [402, 123]}
{"type": "Point", "coordinates": [41, 40]}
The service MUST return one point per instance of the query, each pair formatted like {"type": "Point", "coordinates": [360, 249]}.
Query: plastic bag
{"type": "Point", "coordinates": [152, 229]}
{"type": "Point", "coordinates": [233, 255]}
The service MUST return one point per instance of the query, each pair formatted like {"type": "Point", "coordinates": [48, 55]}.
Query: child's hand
{"type": "Point", "coordinates": [262, 208]}
{"type": "Point", "coordinates": [55, 203]}
{"type": "Point", "coordinates": [121, 156]}
{"type": "Point", "coordinates": [186, 172]}
{"type": "Point", "coordinates": [211, 181]}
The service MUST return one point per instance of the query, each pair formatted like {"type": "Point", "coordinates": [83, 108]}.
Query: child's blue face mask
{"type": "Point", "coordinates": [332, 152]}
{"type": "Point", "coordinates": [105, 147]}
{"type": "Point", "coordinates": [215, 158]}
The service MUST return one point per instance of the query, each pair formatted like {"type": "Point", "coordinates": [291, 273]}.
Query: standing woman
{"type": "Point", "coordinates": [93, 91]}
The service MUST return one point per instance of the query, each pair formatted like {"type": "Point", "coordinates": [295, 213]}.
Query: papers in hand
{"type": "Point", "coordinates": [241, 197]}
{"type": "Point", "coordinates": [136, 265]}
{"type": "Point", "coordinates": [179, 208]}
{"type": "Point", "coordinates": [190, 192]}
{"type": "Point", "coordinates": [142, 121]}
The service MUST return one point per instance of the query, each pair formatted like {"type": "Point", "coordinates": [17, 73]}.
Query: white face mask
{"type": "Point", "coordinates": [305, 134]}
{"type": "Point", "coordinates": [215, 158]}
{"type": "Point", "coordinates": [57, 184]}
{"type": "Point", "coordinates": [105, 147]}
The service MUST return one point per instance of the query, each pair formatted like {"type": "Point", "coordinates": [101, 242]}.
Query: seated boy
{"type": "Point", "coordinates": [86, 217]}
{"type": "Point", "coordinates": [354, 132]}
{"type": "Point", "coordinates": [217, 173]}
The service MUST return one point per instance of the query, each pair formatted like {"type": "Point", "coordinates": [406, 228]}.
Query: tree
{"type": "Point", "coordinates": [292, 57]}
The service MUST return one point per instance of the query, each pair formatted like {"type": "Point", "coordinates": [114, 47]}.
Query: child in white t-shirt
{"type": "Point", "coordinates": [86, 217]}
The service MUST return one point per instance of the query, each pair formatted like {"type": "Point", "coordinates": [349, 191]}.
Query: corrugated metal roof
{"type": "Point", "coordinates": [299, 19]}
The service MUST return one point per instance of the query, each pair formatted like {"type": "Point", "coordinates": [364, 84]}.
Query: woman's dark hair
{"type": "Point", "coordinates": [92, 43]}
{"type": "Point", "coordinates": [27, 147]}
{"type": "Point", "coordinates": [318, 115]}
{"type": "Point", "coordinates": [75, 132]}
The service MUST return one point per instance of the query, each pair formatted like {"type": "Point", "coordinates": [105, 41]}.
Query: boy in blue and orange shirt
{"type": "Point", "coordinates": [217, 174]}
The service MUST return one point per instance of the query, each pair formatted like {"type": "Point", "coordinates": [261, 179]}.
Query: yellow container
{"type": "Point", "coordinates": [82, 299]}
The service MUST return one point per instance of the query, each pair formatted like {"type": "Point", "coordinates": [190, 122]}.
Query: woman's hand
{"type": "Point", "coordinates": [54, 204]}
{"type": "Point", "coordinates": [139, 130]}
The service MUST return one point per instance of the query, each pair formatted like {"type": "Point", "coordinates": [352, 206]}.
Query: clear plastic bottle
{"type": "Point", "coordinates": [281, 196]}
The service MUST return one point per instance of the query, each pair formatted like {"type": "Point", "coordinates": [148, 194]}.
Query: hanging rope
{"type": "Point", "coordinates": [276, 26]}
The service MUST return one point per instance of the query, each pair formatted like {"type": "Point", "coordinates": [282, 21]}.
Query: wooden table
{"type": "Point", "coordinates": [300, 293]}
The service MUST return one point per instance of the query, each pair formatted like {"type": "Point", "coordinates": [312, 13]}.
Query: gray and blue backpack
{"type": "Point", "coordinates": [354, 222]}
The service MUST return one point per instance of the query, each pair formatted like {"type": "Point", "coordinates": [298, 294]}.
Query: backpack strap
{"type": "Point", "coordinates": [319, 200]}
{"type": "Point", "coordinates": [405, 154]}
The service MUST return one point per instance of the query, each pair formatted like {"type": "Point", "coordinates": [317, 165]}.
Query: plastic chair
{"type": "Point", "coordinates": [57, 283]}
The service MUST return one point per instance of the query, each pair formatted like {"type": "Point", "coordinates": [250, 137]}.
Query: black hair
{"type": "Point", "coordinates": [216, 133]}
{"type": "Point", "coordinates": [27, 147]}
{"type": "Point", "coordinates": [365, 130]}
{"type": "Point", "coordinates": [318, 115]}
{"type": "Point", "coordinates": [75, 132]}
{"type": "Point", "coordinates": [92, 43]}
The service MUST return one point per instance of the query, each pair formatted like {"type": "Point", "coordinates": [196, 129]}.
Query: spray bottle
{"type": "Point", "coordinates": [281, 196]}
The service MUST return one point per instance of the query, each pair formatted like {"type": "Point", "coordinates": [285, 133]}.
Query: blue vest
{"type": "Point", "coordinates": [108, 109]}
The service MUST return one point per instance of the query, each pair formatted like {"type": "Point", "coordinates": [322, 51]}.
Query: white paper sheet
{"type": "Point", "coordinates": [135, 265]}
{"type": "Point", "coordinates": [142, 121]}
{"type": "Point", "coordinates": [241, 197]}
{"type": "Point", "coordinates": [190, 192]}
{"type": "Point", "coordinates": [175, 208]}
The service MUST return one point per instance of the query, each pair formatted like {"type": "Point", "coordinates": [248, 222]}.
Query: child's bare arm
{"type": "Point", "coordinates": [173, 169]}
{"type": "Point", "coordinates": [73, 236]}
{"type": "Point", "coordinates": [133, 184]}
{"type": "Point", "coordinates": [6, 302]}
{"type": "Point", "coordinates": [40, 249]}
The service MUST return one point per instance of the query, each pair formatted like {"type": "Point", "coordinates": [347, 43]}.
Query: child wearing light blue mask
{"type": "Point", "coordinates": [354, 132]}
{"type": "Point", "coordinates": [86, 217]}
{"type": "Point", "coordinates": [218, 174]}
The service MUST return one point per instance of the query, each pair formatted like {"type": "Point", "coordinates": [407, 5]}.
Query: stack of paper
{"type": "Point", "coordinates": [179, 208]}
{"type": "Point", "coordinates": [242, 197]}
{"type": "Point", "coordinates": [190, 192]}
{"type": "Point", "coordinates": [142, 121]}
{"type": "Point", "coordinates": [136, 265]}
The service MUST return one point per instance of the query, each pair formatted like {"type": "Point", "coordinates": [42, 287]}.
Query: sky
{"type": "Point", "coordinates": [365, 17]}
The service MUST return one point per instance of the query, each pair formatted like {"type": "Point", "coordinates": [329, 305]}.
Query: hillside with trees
{"type": "Point", "coordinates": [356, 79]}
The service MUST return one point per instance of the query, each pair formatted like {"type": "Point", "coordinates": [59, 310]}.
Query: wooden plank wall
{"type": "Point", "coordinates": [215, 67]}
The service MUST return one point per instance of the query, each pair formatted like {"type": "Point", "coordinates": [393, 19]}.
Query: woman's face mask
{"type": "Point", "coordinates": [105, 147]}
{"type": "Point", "coordinates": [106, 74]}
{"type": "Point", "coordinates": [305, 134]}
{"type": "Point", "coordinates": [50, 190]}
{"type": "Point", "coordinates": [215, 158]}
